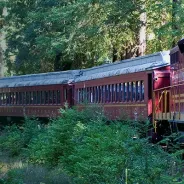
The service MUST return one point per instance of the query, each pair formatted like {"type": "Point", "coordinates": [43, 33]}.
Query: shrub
{"type": "Point", "coordinates": [15, 138]}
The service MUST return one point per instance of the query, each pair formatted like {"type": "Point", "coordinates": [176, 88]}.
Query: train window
{"type": "Point", "coordinates": [96, 94]}
{"type": "Point", "coordinates": [54, 97]}
{"type": "Point", "coordinates": [120, 92]}
{"type": "Point", "coordinates": [46, 97]}
{"type": "Point", "coordinates": [86, 95]}
{"type": "Point", "coordinates": [0, 99]}
{"type": "Point", "coordinates": [7, 98]}
{"type": "Point", "coordinates": [110, 93]}
{"type": "Point", "coordinates": [31, 98]}
{"type": "Point", "coordinates": [142, 90]}
{"type": "Point", "coordinates": [90, 95]}
{"type": "Point", "coordinates": [42, 97]}
{"type": "Point", "coordinates": [133, 91]}
{"type": "Point", "coordinates": [175, 57]}
{"type": "Point", "coordinates": [4, 96]}
{"type": "Point", "coordinates": [16, 97]}
{"type": "Point", "coordinates": [100, 94]}
{"type": "Point", "coordinates": [65, 95]}
{"type": "Point", "coordinates": [34, 97]}
{"type": "Point", "coordinates": [23, 98]}
{"type": "Point", "coordinates": [116, 92]}
{"type": "Point", "coordinates": [20, 98]}
{"type": "Point", "coordinates": [27, 97]}
{"type": "Point", "coordinates": [129, 91]}
{"type": "Point", "coordinates": [78, 95]}
{"type": "Point", "coordinates": [125, 92]}
{"type": "Point", "coordinates": [138, 90]}
{"type": "Point", "coordinates": [81, 95]}
{"type": "Point", "coordinates": [113, 93]}
{"type": "Point", "coordinates": [11, 98]}
{"type": "Point", "coordinates": [103, 94]}
{"type": "Point", "coordinates": [58, 97]}
{"type": "Point", "coordinates": [50, 97]}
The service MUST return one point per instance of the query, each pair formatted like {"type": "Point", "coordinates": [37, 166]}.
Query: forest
{"type": "Point", "coordinates": [57, 35]}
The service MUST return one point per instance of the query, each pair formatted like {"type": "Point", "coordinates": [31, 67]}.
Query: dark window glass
{"type": "Point", "coordinates": [97, 95]}
{"type": "Point", "coordinates": [50, 97]}
{"type": "Point", "coordinates": [125, 92]}
{"type": "Point", "coordinates": [100, 94]}
{"type": "Point", "coordinates": [17, 97]}
{"type": "Point", "coordinates": [38, 97]}
{"type": "Point", "coordinates": [42, 97]}
{"type": "Point", "coordinates": [34, 97]}
{"type": "Point", "coordinates": [20, 98]}
{"type": "Point", "coordinates": [4, 98]}
{"type": "Point", "coordinates": [54, 97]}
{"type": "Point", "coordinates": [109, 93]}
{"type": "Point", "coordinates": [46, 97]}
{"type": "Point", "coordinates": [113, 93]}
{"type": "Point", "coordinates": [103, 94]}
{"type": "Point", "coordinates": [65, 95]}
{"type": "Point", "coordinates": [133, 90]}
{"type": "Point", "coordinates": [87, 95]}
{"type": "Point", "coordinates": [0, 98]}
{"type": "Point", "coordinates": [142, 90]}
{"type": "Point", "coordinates": [58, 97]}
{"type": "Point", "coordinates": [7, 98]}
{"type": "Point", "coordinates": [31, 97]}
{"type": "Point", "coordinates": [120, 92]}
{"type": "Point", "coordinates": [139, 91]}
{"type": "Point", "coordinates": [23, 98]}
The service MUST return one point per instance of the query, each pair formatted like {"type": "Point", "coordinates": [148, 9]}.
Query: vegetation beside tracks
{"type": "Point", "coordinates": [84, 147]}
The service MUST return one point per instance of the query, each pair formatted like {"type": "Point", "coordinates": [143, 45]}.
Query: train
{"type": "Point", "coordinates": [147, 87]}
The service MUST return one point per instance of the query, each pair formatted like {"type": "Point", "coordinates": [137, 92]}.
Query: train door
{"type": "Point", "coordinates": [150, 92]}
{"type": "Point", "coordinates": [161, 80]}
{"type": "Point", "coordinates": [68, 94]}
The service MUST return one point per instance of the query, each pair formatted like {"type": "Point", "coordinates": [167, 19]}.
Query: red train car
{"type": "Point", "coordinates": [169, 101]}
{"type": "Point", "coordinates": [39, 95]}
{"type": "Point", "coordinates": [124, 88]}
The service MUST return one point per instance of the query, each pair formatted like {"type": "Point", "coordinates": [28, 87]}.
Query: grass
{"type": "Point", "coordinates": [15, 171]}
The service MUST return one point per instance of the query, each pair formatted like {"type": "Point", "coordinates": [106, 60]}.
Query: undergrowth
{"type": "Point", "coordinates": [88, 148]}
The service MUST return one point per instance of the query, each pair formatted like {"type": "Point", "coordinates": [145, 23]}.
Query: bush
{"type": "Point", "coordinates": [16, 138]}
{"type": "Point", "coordinates": [91, 150]}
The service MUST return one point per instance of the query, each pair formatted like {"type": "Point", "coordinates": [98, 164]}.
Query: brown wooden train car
{"type": "Point", "coordinates": [124, 88]}
{"type": "Point", "coordinates": [39, 95]}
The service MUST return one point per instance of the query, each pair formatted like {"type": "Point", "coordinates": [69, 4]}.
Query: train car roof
{"type": "Point", "coordinates": [143, 63]}
{"type": "Point", "coordinates": [138, 64]}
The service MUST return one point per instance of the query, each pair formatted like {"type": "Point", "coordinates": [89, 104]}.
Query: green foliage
{"type": "Point", "coordinates": [59, 35]}
{"type": "Point", "coordinates": [33, 175]}
{"type": "Point", "coordinates": [16, 138]}
{"type": "Point", "coordinates": [91, 149]}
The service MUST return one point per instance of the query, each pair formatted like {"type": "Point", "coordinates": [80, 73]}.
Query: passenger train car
{"type": "Point", "coordinates": [121, 88]}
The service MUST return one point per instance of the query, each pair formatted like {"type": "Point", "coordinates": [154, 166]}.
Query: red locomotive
{"type": "Point", "coordinates": [168, 113]}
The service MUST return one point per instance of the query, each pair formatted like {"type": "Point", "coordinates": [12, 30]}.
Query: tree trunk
{"type": "Point", "coordinates": [174, 23]}
{"type": "Point", "coordinates": [142, 33]}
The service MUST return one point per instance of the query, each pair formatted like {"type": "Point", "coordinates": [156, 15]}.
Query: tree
{"type": "Point", "coordinates": [59, 35]}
